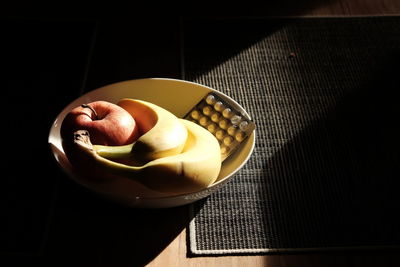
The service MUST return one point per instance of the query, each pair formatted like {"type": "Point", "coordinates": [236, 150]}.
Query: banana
{"type": "Point", "coordinates": [195, 168]}
{"type": "Point", "coordinates": [162, 134]}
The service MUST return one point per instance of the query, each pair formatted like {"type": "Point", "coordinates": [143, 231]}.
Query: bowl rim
{"type": "Point", "coordinates": [184, 195]}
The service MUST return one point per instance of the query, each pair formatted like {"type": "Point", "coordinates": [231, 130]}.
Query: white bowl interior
{"type": "Point", "coordinates": [178, 97]}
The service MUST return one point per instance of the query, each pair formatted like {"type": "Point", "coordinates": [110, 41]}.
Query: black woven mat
{"type": "Point", "coordinates": [325, 170]}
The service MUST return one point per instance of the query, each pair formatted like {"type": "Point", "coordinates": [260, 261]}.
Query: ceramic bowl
{"type": "Point", "coordinates": [178, 97]}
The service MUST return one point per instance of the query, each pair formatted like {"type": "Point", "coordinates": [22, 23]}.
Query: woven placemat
{"type": "Point", "coordinates": [325, 169]}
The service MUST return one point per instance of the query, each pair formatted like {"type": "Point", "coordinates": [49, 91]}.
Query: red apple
{"type": "Point", "coordinates": [107, 123]}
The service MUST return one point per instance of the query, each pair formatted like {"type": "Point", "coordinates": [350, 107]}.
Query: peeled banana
{"type": "Point", "coordinates": [173, 156]}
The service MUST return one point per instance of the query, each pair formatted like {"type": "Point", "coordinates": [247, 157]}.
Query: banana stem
{"type": "Point", "coordinates": [114, 152]}
{"type": "Point", "coordinates": [82, 138]}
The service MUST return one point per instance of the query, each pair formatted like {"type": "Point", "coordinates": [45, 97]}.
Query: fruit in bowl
{"type": "Point", "coordinates": [176, 96]}
{"type": "Point", "coordinates": [167, 154]}
{"type": "Point", "coordinates": [107, 123]}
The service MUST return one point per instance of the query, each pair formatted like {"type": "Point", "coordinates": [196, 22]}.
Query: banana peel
{"type": "Point", "coordinates": [173, 155]}
{"type": "Point", "coordinates": [195, 168]}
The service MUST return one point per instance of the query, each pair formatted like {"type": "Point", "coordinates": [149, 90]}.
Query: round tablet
{"type": "Point", "coordinates": [207, 110]}
{"type": "Point", "coordinates": [219, 106]}
{"type": "Point", "coordinates": [212, 127]}
{"type": "Point", "coordinates": [195, 114]}
{"type": "Point", "coordinates": [228, 140]}
{"type": "Point", "coordinates": [232, 130]}
{"type": "Point", "coordinates": [215, 117]}
{"type": "Point", "coordinates": [220, 134]}
{"type": "Point", "coordinates": [243, 125]}
{"type": "Point", "coordinates": [240, 136]}
{"type": "Point", "coordinates": [227, 113]}
{"type": "Point", "coordinates": [223, 124]}
{"type": "Point", "coordinates": [225, 149]}
{"type": "Point", "coordinates": [203, 121]}
{"type": "Point", "coordinates": [210, 100]}
{"type": "Point", "coordinates": [236, 119]}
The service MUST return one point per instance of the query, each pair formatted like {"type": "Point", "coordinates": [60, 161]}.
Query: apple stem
{"type": "Point", "coordinates": [89, 107]}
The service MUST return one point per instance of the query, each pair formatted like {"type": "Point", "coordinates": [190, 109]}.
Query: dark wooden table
{"type": "Point", "coordinates": [47, 62]}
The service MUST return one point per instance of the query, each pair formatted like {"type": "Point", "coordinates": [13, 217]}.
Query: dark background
{"type": "Point", "coordinates": [47, 59]}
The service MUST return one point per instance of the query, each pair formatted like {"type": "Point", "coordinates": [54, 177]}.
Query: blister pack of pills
{"type": "Point", "coordinates": [223, 120]}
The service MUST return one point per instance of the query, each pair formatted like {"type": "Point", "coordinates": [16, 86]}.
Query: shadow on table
{"type": "Point", "coordinates": [87, 230]}
{"type": "Point", "coordinates": [91, 231]}
{"type": "Point", "coordinates": [42, 63]}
